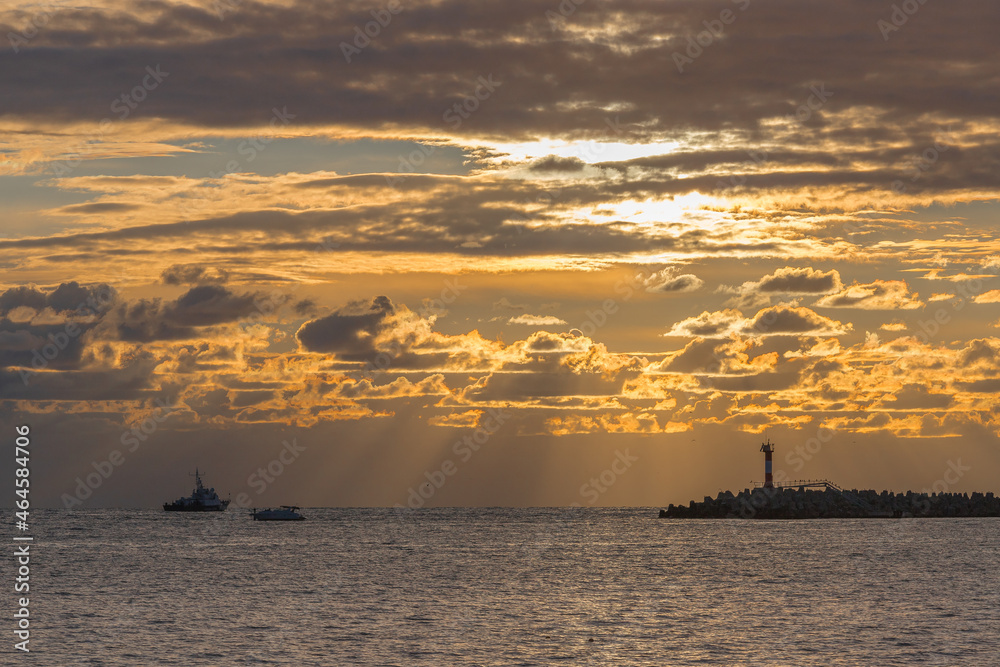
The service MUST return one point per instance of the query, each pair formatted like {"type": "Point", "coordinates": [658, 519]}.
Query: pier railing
{"type": "Point", "coordinates": [804, 483]}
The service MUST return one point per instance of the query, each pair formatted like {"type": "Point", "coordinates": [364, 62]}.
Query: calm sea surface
{"type": "Point", "coordinates": [507, 587]}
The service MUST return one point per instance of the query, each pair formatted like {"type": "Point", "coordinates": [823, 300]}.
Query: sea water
{"type": "Point", "coordinates": [507, 587]}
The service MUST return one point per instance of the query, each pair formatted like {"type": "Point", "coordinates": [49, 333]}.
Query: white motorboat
{"type": "Point", "coordinates": [283, 513]}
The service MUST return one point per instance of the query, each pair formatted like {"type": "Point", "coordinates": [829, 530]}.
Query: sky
{"type": "Point", "coordinates": [499, 253]}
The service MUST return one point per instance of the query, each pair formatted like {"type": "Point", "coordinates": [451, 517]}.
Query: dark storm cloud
{"type": "Point", "coordinates": [190, 274]}
{"type": "Point", "coordinates": [128, 383]}
{"type": "Point", "coordinates": [717, 324]}
{"type": "Point", "coordinates": [899, 170]}
{"type": "Point", "coordinates": [730, 160]}
{"type": "Point", "coordinates": [348, 332]}
{"type": "Point", "coordinates": [47, 346]}
{"type": "Point", "coordinates": [918, 397]}
{"type": "Point", "coordinates": [981, 351]}
{"type": "Point", "coordinates": [780, 320]}
{"type": "Point", "coordinates": [795, 280]}
{"type": "Point", "coordinates": [798, 281]}
{"type": "Point", "coordinates": [304, 307]}
{"type": "Point", "coordinates": [485, 217]}
{"type": "Point", "coordinates": [99, 207]}
{"type": "Point", "coordinates": [147, 320]}
{"type": "Point", "coordinates": [52, 345]}
{"type": "Point", "coordinates": [765, 382]}
{"type": "Point", "coordinates": [402, 182]}
{"type": "Point", "coordinates": [539, 384]}
{"type": "Point", "coordinates": [878, 295]}
{"type": "Point", "coordinates": [18, 340]}
{"type": "Point", "coordinates": [442, 226]}
{"type": "Point", "coordinates": [712, 357]}
{"type": "Point", "coordinates": [16, 297]}
{"type": "Point", "coordinates": [988, 386]}
{"type": "Point", "coordinates": [555, 163]}
{"type": "Point", "coordinates": [210, 304]}
{"type": "Point", "coordinates": [669, 281]}
{"type": "Point", "coordinates": [431, 55]}
{"type": "Point", "coordinates": [142, 321]}
{"type": "Point", "coordinates": [72, 296]}
{"type": "Point", "coordinates": [786, 320]}
{"type": "Point", "coordinates": [67, 297]}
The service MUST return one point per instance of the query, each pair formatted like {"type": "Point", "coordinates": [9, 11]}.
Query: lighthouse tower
{"type": "Point", "coordinates": [768, 450]}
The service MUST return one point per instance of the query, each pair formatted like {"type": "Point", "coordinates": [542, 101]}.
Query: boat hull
{"type": "Point", "coordinates": [286, 513]}
{"type": "Point", "coordinates": [168, 507]}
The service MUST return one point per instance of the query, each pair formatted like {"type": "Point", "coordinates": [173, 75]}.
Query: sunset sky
{"type": "Point", "coordinates": [630, 236]}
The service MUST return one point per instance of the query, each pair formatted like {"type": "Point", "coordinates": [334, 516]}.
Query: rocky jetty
{"type": "Point", "coordinates": [834, 503]}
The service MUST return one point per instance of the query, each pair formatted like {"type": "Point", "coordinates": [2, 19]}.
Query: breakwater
{"type": "Point", "coordinates": [834, 503]}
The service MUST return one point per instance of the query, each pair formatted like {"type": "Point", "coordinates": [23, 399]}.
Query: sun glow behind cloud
{"type": "Point", "coordinates": [689, 209]}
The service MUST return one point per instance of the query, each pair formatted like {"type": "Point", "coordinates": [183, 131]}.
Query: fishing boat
{"type": "Point", "coordinates": [284, 513]}
{"type": "Point", "coordinates": [200, 500]}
